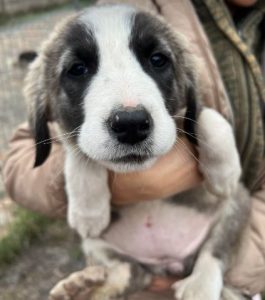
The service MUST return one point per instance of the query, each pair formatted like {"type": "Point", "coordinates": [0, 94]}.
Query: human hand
{"type": "Point", "coordinates": [173, 173]}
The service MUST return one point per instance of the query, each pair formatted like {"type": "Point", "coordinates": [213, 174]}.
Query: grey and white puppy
{"type": "Point", "coordinates": [116, 79]}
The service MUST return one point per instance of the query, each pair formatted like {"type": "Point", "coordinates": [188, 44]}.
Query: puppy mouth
{"type": "Point", "coordinates": [131, 158]}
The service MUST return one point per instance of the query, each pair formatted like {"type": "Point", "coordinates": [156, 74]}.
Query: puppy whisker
{"type": "Point", "coordinates": [182, 144]}
{"type": "Point", "coordinates": [60, 136]}
{"type": "Point", "coordinates": [186, 118]}
{"type": "Point", "coordinates": [198, 137]}
{"type": "Point", "coordinates": [75, 151]}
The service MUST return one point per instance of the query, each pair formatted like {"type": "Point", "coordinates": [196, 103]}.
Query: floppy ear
{"type": "Point", "coordinates": [37, 101]}
{"type": "Point", "coordinates": [187, 64]}
{"type": "Point", "coordinates": [191, 115]}
{"type": "Point", "coordinates": [193, 106]}
{"type": "Point", "coordinates": [42, 138]}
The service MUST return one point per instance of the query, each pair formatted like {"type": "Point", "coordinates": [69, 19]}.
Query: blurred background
{"type": "Point", "coordinates": [35, 252]}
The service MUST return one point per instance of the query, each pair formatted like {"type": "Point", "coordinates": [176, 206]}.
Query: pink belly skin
{"type": "Point", "coordinates": [159, 233]}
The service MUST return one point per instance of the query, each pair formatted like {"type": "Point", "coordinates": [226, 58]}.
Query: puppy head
{"type": "Point", "coordinates": [114, 77]}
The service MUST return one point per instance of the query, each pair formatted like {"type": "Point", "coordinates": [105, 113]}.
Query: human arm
{"type": "Point", "coordinates": [40, 189]}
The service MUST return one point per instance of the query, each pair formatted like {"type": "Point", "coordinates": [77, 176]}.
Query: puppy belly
{"type": "Point", "coordinates": [159, 233]}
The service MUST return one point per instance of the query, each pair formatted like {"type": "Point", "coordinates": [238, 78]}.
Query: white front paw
{"type": "Point", "coordinates": [196, 287]}
{"type": "Point", "coordinates": [221, 178]}
{"type": "Point", "coordinates": [218, 156]}
{"type": "Point", "coordinates": [88, 225]}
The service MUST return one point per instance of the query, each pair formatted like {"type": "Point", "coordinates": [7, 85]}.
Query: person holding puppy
{"type": "Point", "coordinates": [234, 29]}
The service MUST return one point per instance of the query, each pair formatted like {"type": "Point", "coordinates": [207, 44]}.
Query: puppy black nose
{"type": "Point", "coordinates": [130, 126]}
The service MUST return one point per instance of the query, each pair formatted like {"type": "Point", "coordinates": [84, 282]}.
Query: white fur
{"type": "Point", "coordinates": [115, 84]}
{"type": "Point", "coordinates": [93, 276]}
{"type": "Point", "coordinates": [205, 282]}
{"type": "Point", "coordinates": [112, 86]}
{"type": "Point", "coordinates": [218, 156]}
{"type": "Point", "coordinates": [86, 180]}
{"type": "Point", "coordinates": [118, 279]}
{"type": "Point", "coordinates": [88, 195]}
{"type": "Point", "coordinates": [96, 250]}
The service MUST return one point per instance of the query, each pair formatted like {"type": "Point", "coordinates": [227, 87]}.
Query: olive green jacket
{"type": "Point", "coordinates": [237, 48]}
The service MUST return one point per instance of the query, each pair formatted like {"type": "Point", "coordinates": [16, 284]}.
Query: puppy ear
{"type": "Point", "coordinates": [37, 101]}
{"type": "Point", "coordinates": [190, 116]}
{"type": "Point", "coordinates": [193, 109]}
{"type": "Point", "coordinates": [42, 138]}
{"type": "Point", "coordinates": [186, 63]}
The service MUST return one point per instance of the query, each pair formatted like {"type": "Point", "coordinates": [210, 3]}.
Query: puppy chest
{"type": "Point", "coordinates": [159, 233]}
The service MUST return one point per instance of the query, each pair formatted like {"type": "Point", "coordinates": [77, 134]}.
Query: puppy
{"type": "Point", "coordinates": [117, 81]}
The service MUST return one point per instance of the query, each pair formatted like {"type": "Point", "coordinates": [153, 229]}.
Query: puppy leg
{"type": "Point", "coordinates": [205, 282]}
{"type": "Point", "coordinates": [87, 279]}
{"type": "Point", "coordinates": [206, 279]}
{"type": "Point", "coordinates": [124, 275]}
{"type": "Point", "coordinates": [109, 275]}
{"type": "Point", "coordinates": [88, 195]}
{"type": "Point", "coordinates": [218, 156]}
{"type": "Point", "coordinates": [219, 162]}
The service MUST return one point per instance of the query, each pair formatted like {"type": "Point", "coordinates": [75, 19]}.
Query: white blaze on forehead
{"type": "Point", "coordinates": [111, 27]}
{"type": "Point", "coordinates": [120, 77]}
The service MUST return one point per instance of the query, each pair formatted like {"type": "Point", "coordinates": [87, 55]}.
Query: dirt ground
{"type": "Point", "coordinates": [41, 266]}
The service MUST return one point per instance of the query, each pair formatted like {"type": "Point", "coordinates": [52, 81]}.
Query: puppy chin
{"type": "Point", "coordinates": [126, 167]}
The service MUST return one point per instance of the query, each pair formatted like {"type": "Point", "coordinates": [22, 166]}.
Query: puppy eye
{"type": "Point", "coordinates": [158, 60]}
{"type": "Point", "coordinates": [78, 70]}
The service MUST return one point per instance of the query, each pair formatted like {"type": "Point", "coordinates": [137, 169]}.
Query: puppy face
{"type": "Point", "coordinates": [116, 77]}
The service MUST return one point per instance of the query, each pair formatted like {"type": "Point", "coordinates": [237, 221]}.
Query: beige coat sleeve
{"type": "Point", "coordinates": [40, 189]}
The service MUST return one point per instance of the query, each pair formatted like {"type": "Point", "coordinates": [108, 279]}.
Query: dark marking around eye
{"type": "Point", "coordinates": [77, 74]}
{"type": "Point", "coordinates": [159, 60]}
{"type": "Point", "coordinates": [77, 70]}
{"type": "Point", "coordinates": [145, 42]}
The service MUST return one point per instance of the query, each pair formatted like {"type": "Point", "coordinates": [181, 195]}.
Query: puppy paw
{"type": "Point", "coordinates": [221, 178]}
{"type": "Point", "coordinates": [103, 294]}
{"type": "Point", "coordinates": [88, 225]}
{"type": "Point", "coordinates": [87, 280]}
{"type": "Point", "coordinates": [195, 287]}
{"type": "Point", "coordinates": [116, 285]}
{"type": "Point", "coordinates": [218, 156]}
